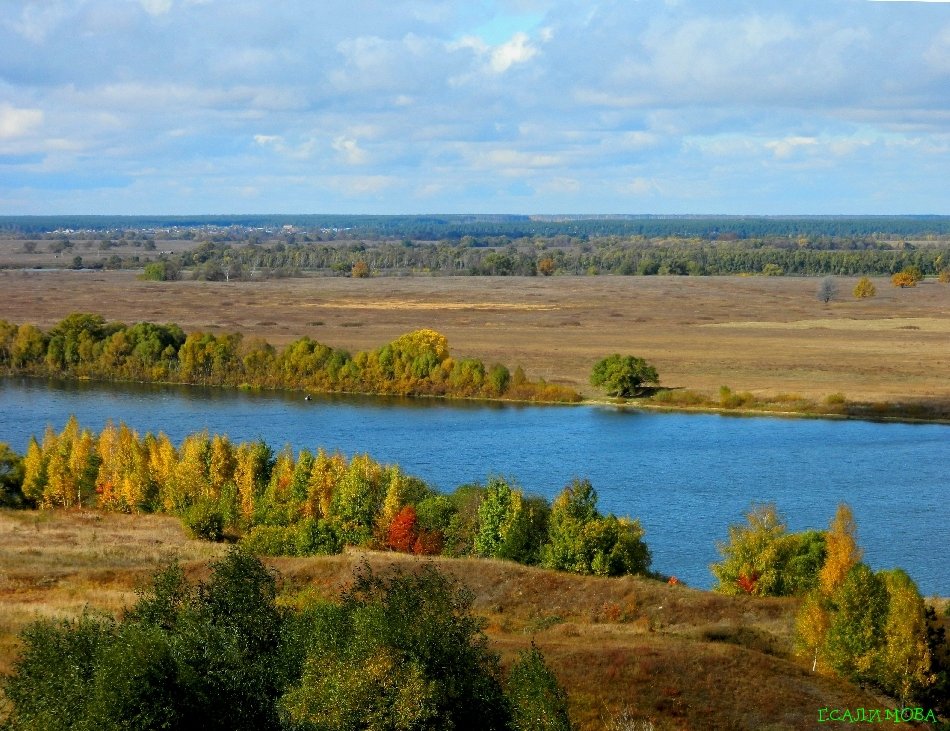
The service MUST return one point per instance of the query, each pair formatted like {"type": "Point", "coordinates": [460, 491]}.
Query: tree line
{"type": "Point", "coordinates": [435, 227]}
{"type": "Point", "coordinates": [404, 652]}
{"type": "Point", "coordinates": [544, 257]}
{"type": "Point", "coordinates": [310, 503]}
{"type": "Point", "coordinates": [417, 363]}
{"type": "Point", "coordinates": [870, 627]}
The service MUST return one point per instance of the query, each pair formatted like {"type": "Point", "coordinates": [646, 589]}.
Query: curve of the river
{"type": "Point", "coordinates": [687, 477]}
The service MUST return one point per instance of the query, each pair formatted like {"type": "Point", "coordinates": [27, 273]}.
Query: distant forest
{"type": "Point", "coordinates": [457, 226]}
{"type": "Point", "coordinates": [244, 247]}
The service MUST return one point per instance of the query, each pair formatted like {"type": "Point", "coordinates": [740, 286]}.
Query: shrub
{"type": "Point", "coordinates": [864, 288]}
{"type": "Point", "coordinates": [205, 521]}
{"type": "Point", "coordinates": [762, 558]}
{"type": "Point", "coordinates": [49, 685]}
{"type": "Point", "coordinates": [402, 652]}
{"type": "Point", "coordinates": [271, 540]}
{"type": "Point", "coordinates": [11, 477]}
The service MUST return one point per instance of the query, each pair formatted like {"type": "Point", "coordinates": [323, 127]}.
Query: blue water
{"type": "Point", "coordinates": [686, 477]}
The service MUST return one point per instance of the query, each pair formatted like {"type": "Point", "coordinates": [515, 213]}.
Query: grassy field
{"type": "Point", "coordinates": [765, 335]}
{"type": "Point", "coordinates": [623, 648]}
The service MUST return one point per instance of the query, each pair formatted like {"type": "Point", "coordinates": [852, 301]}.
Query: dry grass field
{"type": "Point", "coordinates": [673, 656]}
{"type": "Point", "coordinates": [767, 335]}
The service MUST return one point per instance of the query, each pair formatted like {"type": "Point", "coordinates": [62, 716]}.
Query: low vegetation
{"type": "Point", "coordinates": [417, 363]}
{"type": "Point", "coordinates": [402, 652]}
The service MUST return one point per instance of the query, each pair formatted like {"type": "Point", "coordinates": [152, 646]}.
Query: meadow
{"type": "Point", "coordinates": [765, 335]}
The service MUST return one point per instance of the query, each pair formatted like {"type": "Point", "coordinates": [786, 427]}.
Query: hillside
{"type": "Point", "coordinates": [625, 649]}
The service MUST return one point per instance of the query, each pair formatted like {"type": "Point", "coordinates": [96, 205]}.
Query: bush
{"type": "Point", "coordinates": [48, 688]}
{"type": "Point", "coordinates": [271, 540]}
{"type": "Point", "coordinates": [205, 521]}
{"type": "Point", "coordinates": [763, 559]}
{"type": "Point", "coordinates": [864, 288]}
{"type": "Point", "coordinates": [11, 477]}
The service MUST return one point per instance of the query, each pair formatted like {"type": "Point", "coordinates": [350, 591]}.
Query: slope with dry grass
{"type": "Point", "coordinates": [624, 648]}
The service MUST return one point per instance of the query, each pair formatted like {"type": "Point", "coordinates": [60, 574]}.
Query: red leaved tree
{"type": "Point", "coordinates": [402, 533]}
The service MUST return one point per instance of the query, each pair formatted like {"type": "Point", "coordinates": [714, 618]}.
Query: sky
{"type": "Point", "coordinates": [762, 107]}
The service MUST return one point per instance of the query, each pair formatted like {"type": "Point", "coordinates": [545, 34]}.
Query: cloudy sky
{"type": "Point", "coordinates": [507, 106]}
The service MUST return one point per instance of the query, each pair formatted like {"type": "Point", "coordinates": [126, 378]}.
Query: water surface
{"type": "Point", "coordinates": [685, 476]}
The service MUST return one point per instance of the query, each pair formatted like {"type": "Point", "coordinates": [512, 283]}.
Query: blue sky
{"type": "Point", "coordinates": [504, 106]}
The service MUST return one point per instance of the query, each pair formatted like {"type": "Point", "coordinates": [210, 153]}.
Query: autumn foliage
{"type": "Point", "coordinates": [309, 503]}
{"type": "Point", "coordinates": [402, 531]}
{"type": "Point", "coordinates": [864, 288]}
{"type": "Point", "coordinates": [417, 363]}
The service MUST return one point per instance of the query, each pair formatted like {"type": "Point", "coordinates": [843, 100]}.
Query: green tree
{"type": "Point", "coordinates": [623, 375]}
{"type": "Point", "coordinates": [399, 653]}
{"type": "Point", "coordinates": [764, 559]}
{"type": "Point", "coordinates": [582, 541]}
{"type": "Point", "coordinates": [538, 702]}
{"type": "Point", "coordinates": [497, 514]}
{"type": "Point", "coordinates": [857, 626]}
{"type": "Point", "coordinates": [11, 477]}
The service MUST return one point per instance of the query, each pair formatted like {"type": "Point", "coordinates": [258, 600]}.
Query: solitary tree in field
{"type": "Point", "coordinates": [904, 279]}
{"type": "Point", "coordinates": [623, 375]}
{"type": "Point", "coordinates": [864, 288]}
{"type": "Point", "coordinates": [827, 290]}
{"type": "Point", "coordinates": [360, 270]}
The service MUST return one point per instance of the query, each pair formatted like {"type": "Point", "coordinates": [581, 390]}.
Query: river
{"type": "Point", "coordinates": [687, 477]}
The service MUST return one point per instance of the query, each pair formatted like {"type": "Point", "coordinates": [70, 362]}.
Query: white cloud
{"type": "Point", "coordinates": [156, 7]}
{"type": "Point", "coordinates": [517, 50]}
{"type": "Point", "coordinates": [684, 103]}
{"type": "Point", "coordinates": [350, 150]}
{"type": "Point", "coordinates": [19, 122]}
{"type": "Point", "coordinates": [789, 145]}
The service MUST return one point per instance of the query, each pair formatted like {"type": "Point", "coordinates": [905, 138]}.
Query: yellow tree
{"type": "Point", "coordinates": [59, 484]}
{"type": "Point", "coordinates": [161, 460]}
{"type": "Point", "coordinates": [811, 625]}
{"type": "Point", "coordinates": [841, 551]}
{"type": "Point", "coordinates": [251, 468]}
{"type": "Point", "coordinates": [275, 504]}
{"type": "Point", "coordinates": [324, 477]}
{"type": "Point", "coordinates": [83, 465]}
{"type": "Point", "coordinates": [110, 467]}
{"type": "Point", "coordinates": [71, 467]}
{"type": "Point", "coordinates": [190, 481]}
{"type": "Point", "coordinates": [136, 488]}
{"type": "Point", "coordinates": [905, 660]}
{"type": "Point", "coordinates": [903, 279]}
{"type": "Point", "coordinates": [35, 462]}
{"type": "Point", "coordinates": [222, 463]}
{"type": "Point", "coordinates": [864, 288]}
